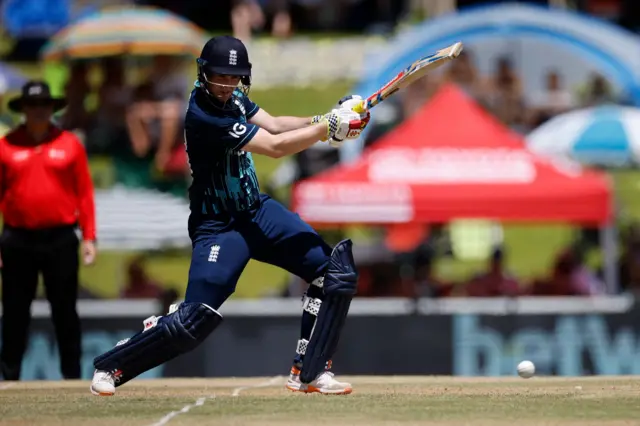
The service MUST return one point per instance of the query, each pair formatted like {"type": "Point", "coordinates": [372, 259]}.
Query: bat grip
{"type": "Point", "coordinates": [360, 108]}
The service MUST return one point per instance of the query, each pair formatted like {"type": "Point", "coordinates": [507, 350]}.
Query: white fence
{"type": "Point", "coordinates": [304, 62]}
{"type": "Point", "coordinates": [365, 306]}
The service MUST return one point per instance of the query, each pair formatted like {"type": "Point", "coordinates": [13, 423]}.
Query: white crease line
{"type": "Point", "coordinates": [270, 382]}
{"type": "Point", "coordinates": [186, 408]}
{"type": "Point", "coordinates": [201, 401]}
{"type": "Point", "coordinates": [6, 386]}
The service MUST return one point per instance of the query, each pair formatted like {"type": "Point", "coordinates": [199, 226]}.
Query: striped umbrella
{"type": "Point", "coordinates": [121, 31]}
{"type": "Point", "coordinates": [605, 136]}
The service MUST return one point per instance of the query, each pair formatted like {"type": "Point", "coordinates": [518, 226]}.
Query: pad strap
{"type": "Point", "coordinates": [301, 349]}
{"type": "Point", "coordinates": [318, 282]}
{"type": "Point", "coordinates": [311, 305]}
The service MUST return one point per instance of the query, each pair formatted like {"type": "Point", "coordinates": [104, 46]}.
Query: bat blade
{"type": "Point", "coordinates": [410, 74]}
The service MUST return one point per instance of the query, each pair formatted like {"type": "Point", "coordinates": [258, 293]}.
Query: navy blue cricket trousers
{"type": "Point", "coordinates": [270, 233]}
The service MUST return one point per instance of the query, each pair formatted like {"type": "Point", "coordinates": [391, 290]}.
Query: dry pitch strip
{"type": "Point", "coordinates": [377, 400]}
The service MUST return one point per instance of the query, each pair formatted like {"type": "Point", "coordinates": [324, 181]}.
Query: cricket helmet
{"type": "Point", "coordinates": [224, 55]}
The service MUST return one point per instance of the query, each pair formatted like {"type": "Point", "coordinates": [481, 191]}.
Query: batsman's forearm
{"type": "Point", "coordinates": [286, 123]}
{"type": "Point", "coordinates": [294, 141]}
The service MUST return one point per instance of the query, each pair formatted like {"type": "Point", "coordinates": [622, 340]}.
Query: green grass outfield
{"type": "Point", "coordinates": [531, 248]}
{"type": "Point", "coordinates": [376, 401]}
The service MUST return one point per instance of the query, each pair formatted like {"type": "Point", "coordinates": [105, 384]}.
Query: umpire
{"type": "Point", "coordinates": [45, 192]}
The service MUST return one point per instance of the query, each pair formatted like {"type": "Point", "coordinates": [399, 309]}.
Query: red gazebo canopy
{"type": "Point", "coordinates": [453, 160]}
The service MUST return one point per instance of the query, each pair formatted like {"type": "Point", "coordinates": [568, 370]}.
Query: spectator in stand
{"type": "Point", "coordinates": [598, 92]}
{"type": "Point", "coordinates": [281, 25]}
{"type": "Point", "coordinates": [583, 276]}
{"type": "Point", "coordinates": [45, 190]}
{"type": "Point", "coordinates": [560, 282]}
{"type": "Point", "coordinates": [139, 284]}
{"type": "Point", "coordinates": [114, 96]}
{"type": "Point", "coordinates": [75, 116]}
{"type": "Point", "coordinates": [170, 94]}
{"type": "Point", "coordinates": [426, 284]}
{"type": "Point", "coordinates": [552, 101]}
{"type": "Point", "coordinates": [421, 91]}
{"type": "Point", "coordinates": [155, 132]}
{"type": "Point", "coordinates": [570, 277]}
{"type": "Point", "coordinates": [463, 73]}
{"type": "Point", "coordinates": [495, 282]}
{"type": "Point", "coordinates": [504, 96]}
{"type": "Point", "coordinates": [246, 17]}
{"type": "Point", "coordinates": [154, 122]}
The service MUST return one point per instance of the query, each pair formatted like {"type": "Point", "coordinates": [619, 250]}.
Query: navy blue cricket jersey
{"type": "Point", "coordinates": [224, 176]}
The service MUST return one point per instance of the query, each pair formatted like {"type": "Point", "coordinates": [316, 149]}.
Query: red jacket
{"type": "Point", "coordinates": [48, 184]}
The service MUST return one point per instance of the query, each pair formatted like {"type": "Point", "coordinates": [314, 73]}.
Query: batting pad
{"type": "Point", "coordinates": [163, 339]}
{"type": "Point", "coordinates": [340, 285]}
{"type": "Point", "coordinates": [325, 337]}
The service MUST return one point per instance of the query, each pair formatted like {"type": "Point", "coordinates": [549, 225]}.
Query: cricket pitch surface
{"type": "Point", "coordinates": [376, 401]}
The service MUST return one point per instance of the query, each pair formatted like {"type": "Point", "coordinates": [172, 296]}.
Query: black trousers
{"type": "Point", "coordinates": [25, 254]}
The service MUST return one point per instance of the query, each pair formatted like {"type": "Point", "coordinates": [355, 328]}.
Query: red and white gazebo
{"type": "Point", "coordinates": [453, 160]}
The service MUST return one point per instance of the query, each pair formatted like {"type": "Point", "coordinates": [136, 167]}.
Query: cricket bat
{"type": "Point", "coordinates": [410, 74]}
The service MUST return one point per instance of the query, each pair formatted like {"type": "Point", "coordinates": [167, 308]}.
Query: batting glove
{"type": "Point", "coordinates": [340, 125]}
{"type": "Point", "coordinates": [353, 101]}
{"type": "Point", "coordinates": [349, 103]}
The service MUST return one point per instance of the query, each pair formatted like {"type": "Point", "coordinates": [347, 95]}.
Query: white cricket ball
{"type": "Point", "coordinates": [526, 369]}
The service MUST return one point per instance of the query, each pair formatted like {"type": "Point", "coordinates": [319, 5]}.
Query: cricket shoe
{"type": "Point", "coordinates": [103, 383]}
{"type": "Point", "coordinates": [324, 384]}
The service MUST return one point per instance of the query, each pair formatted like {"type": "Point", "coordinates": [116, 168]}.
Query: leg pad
{"type": "Point", "coordinates": [340, 285]}
{"type": "Point", "coordinates": [162, 339]}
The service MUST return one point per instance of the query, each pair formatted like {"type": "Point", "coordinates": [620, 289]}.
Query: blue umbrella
{"type": "Point", "coordinates": [605, 136]}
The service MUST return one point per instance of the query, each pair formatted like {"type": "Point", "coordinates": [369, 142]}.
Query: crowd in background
{"type": "Point", "coordinates": [284, 18]}
{"type": "Point", "coordinates": [138, 123]}
{"type": "Point", "coordinates": [501, 94]}
{"type": "Point", "coordinates": [278, 17]}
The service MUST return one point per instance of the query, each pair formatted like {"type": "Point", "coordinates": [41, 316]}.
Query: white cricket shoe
{"type": "Point", "coordinates": [324, 384]}
{"type": "Point", "coordinates": [103, 383]}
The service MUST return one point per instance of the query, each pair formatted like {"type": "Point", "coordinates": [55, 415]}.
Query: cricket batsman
{"type": "Point", "coordinates": [232, 222]}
